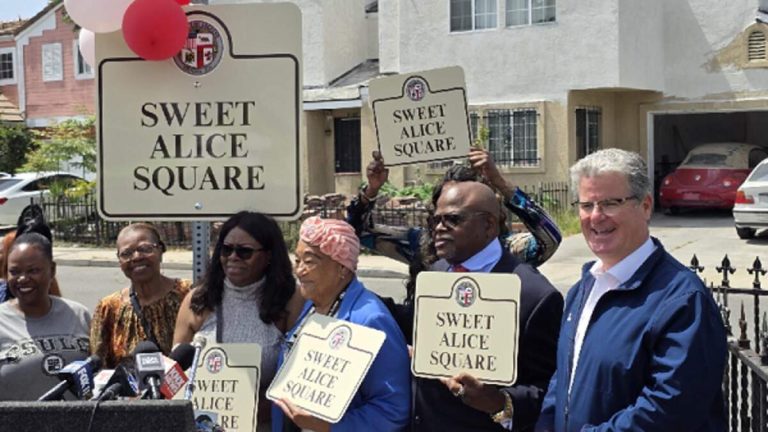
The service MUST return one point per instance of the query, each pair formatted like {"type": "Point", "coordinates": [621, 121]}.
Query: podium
{"type": "Point", "coordinates": [111, 416]}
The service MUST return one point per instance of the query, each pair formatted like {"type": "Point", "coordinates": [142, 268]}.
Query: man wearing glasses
{"type": "Point", "coordinates": [642, 346]}
{"type": "Point", "coordinates": [463, 234]}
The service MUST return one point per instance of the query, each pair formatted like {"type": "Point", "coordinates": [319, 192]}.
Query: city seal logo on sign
{"type": "Point", "coordinates": [214, 362]}
{"type": "Point", "coordinates": [466, 292]}
{"type": "Point", "coordinates": [338, 337]}
{"type": "Point", "coordinates": [202, 51]}
{"type": "Point", "coordinates": [415, 89]}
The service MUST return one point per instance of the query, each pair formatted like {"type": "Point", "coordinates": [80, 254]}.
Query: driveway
{"type": "Point", "coordinates": [710, 235]}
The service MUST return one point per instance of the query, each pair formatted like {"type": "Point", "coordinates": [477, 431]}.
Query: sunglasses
{"type": "Point", "coordinates": [242, 252]}
{"type": "Point", "coordinates": [451, 220]}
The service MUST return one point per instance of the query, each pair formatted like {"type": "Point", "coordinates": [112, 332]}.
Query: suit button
{"type": "Point", "coordinates": [417, 420]}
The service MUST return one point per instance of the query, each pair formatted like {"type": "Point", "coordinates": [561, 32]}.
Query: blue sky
{"type": "Point", "coordinates": [13, 9]}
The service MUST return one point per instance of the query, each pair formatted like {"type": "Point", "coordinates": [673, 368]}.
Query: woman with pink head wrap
{"type": "Point", "coordinates": [326, 261]}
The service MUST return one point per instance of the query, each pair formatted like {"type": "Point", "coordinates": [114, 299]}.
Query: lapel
{"type": "Point", "coordinates": [354, 291]}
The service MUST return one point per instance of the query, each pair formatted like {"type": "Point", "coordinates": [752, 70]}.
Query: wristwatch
{"type": "Point", "coordinates": [505, 414]}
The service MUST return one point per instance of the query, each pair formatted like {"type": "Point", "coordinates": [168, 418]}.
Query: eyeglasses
{"type": "Point", "coordinates": [609, 207]}
{"type": "Point", "coordinates": [142, 249]}
{"type": "Point", "coordinates": [242, 252]}
{"type": "Point", "coordinates": [451, 220]}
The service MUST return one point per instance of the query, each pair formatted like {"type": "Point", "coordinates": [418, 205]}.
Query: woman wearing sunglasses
{"type": "Point", "coordinates": [147, 308]}
{"type": "Point", "coordinates": [248, 295]}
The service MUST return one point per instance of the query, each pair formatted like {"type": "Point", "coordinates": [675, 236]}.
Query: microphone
{"type": "Point", "coordinates": [199, 343]}
{"type": "Point", "coordinates": [175, 378]}
{"type": "Point", "coordinates": [77, 377]}
{"type": "Point", "coordinates": [122, 383]}
{"type": "Point", "coordinates": [150, 368]}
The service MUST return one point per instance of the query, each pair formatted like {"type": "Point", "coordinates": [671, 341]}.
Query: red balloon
{"type": "Point", "coordinates": [155, 29]}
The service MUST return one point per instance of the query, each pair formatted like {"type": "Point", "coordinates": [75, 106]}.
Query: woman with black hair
{"type": "Point", "coordinates": [248, 295]}
{"type": "Point", "coordinates": [144, 310]}
{"type": "Point", "coordinates": [40, 333]}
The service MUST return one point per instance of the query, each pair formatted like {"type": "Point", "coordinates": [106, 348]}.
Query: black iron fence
{"type": "Point", "coordinates": [745, 381]}
{"type": "Point", "coordinates": [76, 220]}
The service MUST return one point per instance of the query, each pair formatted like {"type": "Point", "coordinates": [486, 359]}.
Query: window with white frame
{"type": "Point", "coordinates": [7, 66]}
{"type": "Point", "coordinates": [587, 130]}
{"type": "Point", "coordinates": [52, 62]}
{"type": "Point", "coordinates": [82, 69]}
{"type": "Point", "coordinates": [524, 12]}
{"type": "Point", "coordinates": [512, 137]}
{"type": "Point", "coordinates": [469, 15]}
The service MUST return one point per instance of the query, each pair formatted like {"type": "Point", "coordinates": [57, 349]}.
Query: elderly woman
{"type": "Point", "coordinates": [39, 333]}
{"type": "Point", "coordinates": [248, 296]}
{"type": "Point", "coordinates": [147, 308]}
{"type": "Point", "coordinates": [326, 261]}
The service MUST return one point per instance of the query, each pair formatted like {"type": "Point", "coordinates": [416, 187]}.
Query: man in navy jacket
{"type": "Point", "coordinates": [642, 346]}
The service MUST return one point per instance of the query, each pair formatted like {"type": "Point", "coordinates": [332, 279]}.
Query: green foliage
{"type": "Point", "coordinates": [78, 190]}
{"type": "Point", "coordinates": [568, 222]}
{"type": "Point", "coordinates": [422, 191]}
{"type": "Point", "coordinates": [70, 141]}
{"type": "Point", "coordinates": [15, 142]}
{"type": "Point", "coordinates": [483, 134]}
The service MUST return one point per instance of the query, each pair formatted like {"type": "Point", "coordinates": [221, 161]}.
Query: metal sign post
{"type": "Point", "coordinates": [201, 241]}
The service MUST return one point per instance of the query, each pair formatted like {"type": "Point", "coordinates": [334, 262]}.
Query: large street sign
{"type": "Point", "coordinates": [210, 132]}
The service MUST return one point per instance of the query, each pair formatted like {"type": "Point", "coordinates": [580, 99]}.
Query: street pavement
{"type": "Point", "coordinates": [710, 235]}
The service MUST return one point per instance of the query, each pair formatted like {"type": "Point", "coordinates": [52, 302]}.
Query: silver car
{"type": "Point", "coordinates": [750, 209]}
{"type": "Point", "coordinates": [19, 190]}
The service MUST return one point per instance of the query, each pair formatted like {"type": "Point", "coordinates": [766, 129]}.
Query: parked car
{"type": "Point", "coordinates": [18, 190]}
{"type": "Point", "coordinates": [709, 176]}
{"type": "Point", "coordinates": [750, 211]}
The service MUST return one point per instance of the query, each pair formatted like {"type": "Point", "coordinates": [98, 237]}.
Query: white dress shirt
{"type": "Point", "coordinates": [606, 280]}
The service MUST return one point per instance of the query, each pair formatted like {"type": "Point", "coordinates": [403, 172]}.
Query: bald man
{"type": "Point", "coordinates": [465, 231]}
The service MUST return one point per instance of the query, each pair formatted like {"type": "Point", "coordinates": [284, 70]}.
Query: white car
{"type": "Point", "coordinates": [750, 210]}
{"type": "Point", "coordinates": [19, 190]}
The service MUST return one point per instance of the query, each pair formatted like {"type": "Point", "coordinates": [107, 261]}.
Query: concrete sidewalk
{"type": "Point", "coordinates": [370, 266]}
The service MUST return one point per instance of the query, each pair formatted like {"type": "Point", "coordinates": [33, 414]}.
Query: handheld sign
{"type": "Point", "coordinates": [421, 117]}
{"type": "Point", "coordinates": [326, 366]}
{"type": "Point", "coordinates": [213, 130]}
{"type": "Point", "coordinates": [466, 322]}
{"type": "Point", "coordinates": [226, 386]}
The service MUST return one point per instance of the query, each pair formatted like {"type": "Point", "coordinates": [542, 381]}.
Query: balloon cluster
{"type": "Point", "coordinates": [153, 29]}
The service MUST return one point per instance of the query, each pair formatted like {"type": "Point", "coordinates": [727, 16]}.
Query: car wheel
{"type": "Point", "coordinates": [672, 211]}
{"type": "Point", "coordinates": [745, 233]}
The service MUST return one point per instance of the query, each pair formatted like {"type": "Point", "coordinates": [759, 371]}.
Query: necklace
{"type": "Point", "coordinates": [290, 341]}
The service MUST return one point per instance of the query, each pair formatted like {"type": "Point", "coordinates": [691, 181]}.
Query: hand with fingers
{"type": "Point", "coordinates": [482, 161]}
{"type": "Point", "coordinates": [301, 418]}
{"type": "Point", "coordinates": [482, 397]}
{"type": "Point", "coordinates": [376, 173]}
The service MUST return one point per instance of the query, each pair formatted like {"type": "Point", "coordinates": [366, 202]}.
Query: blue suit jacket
{"type": "Point", "coordinates": [383, 401]}
{"type": "Point", "coordinates": [652, 358]}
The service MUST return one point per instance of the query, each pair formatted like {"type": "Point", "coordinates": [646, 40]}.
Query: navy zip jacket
{"type": "Point", "coordinates": [652, 357]}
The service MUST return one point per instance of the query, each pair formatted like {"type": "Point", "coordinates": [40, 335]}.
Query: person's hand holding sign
{"type": "Point", "coordinates": [482, 397]}
{"type": "Point", "coordinates": [301, 418]}
{"type": "Point", "coordinates": [482, 161]}
{"type": "Point", "coordinates": [377, 175]}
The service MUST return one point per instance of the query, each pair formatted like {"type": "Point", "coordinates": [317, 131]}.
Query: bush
{"type": "Point", "coordinates": [15, 142]}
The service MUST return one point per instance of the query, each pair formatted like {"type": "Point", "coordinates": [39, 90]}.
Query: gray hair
{"type": "Point", "coordinates": [613, 160]}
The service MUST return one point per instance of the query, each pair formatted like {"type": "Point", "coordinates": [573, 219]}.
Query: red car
{"type": "Point", "coordinates": [709, 176]}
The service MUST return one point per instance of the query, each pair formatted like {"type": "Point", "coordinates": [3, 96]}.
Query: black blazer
{"type": "Point", "coordinates": [541, 309]}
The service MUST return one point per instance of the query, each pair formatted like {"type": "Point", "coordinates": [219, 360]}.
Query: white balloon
{"type": "Point", "coordinates": [98, 16]}
{"type": "Point", "coordinates": [87, 43]}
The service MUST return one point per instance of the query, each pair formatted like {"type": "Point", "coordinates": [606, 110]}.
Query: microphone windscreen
{"type": "Point", "coordinates": [145, 347]}
{"type": "Point", "coordinates": [184, 355]}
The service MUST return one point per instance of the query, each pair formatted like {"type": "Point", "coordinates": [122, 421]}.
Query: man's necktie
{"type": "Point", "coordinates": [458, 268]}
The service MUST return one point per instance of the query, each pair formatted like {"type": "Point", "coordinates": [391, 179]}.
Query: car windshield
{"type": "Point", "coordinates": [6, 183]}
{"type": "Point", "coordinates": [760, 173]}
{"type": "Point", "coordinates": [708, 159]}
